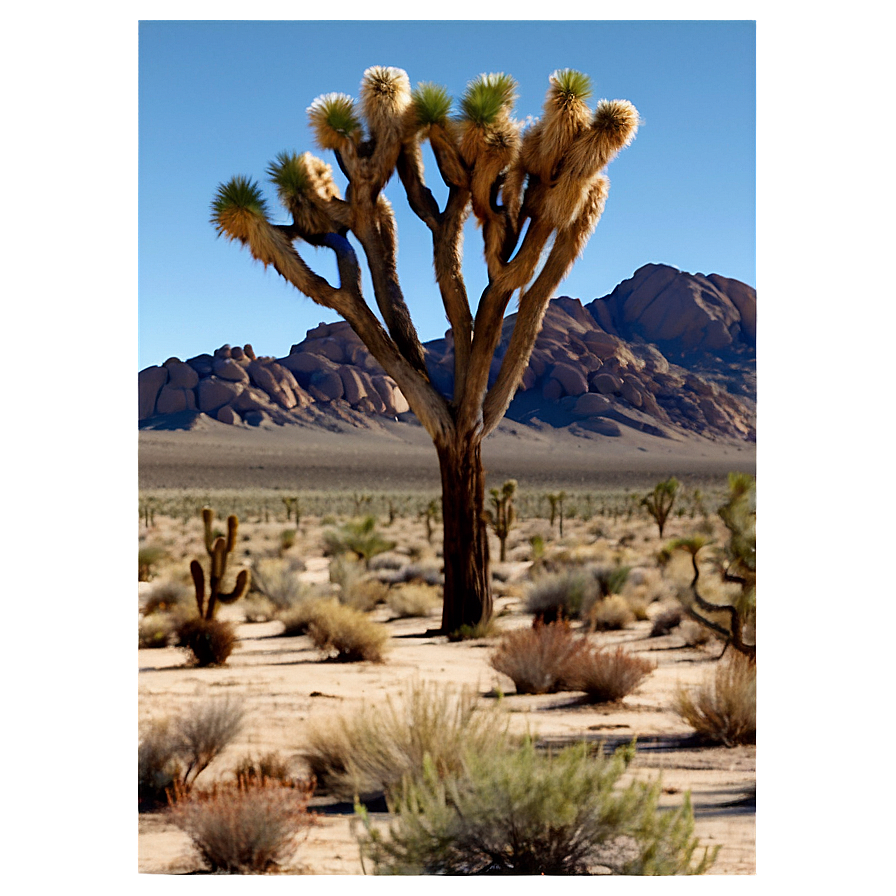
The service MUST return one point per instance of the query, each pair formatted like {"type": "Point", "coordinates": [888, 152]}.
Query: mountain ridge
{"type": "Point", "coordinates": [666, 353]}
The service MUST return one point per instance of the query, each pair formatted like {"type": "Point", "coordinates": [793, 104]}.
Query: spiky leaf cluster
{"type": "Point", "coordinates": [334, 120]}
{"type": "Point", "coordinates": [235, 205]}
{"type": "Point", "coordinates": [487, 97]}
{"type": "Point", "coordinates": [431, 103]}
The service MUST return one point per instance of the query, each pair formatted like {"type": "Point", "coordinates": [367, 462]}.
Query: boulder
{"type": "Point", "coordinates": [214, 393]}
{"type": "Point", "coordinates": [228, 369]}
{"type": "Point", "coordinates": [172, 400]}
{"type": "Point", "coordinates": [227, 415]}
{"type": "Point", "coordinates": [181, 375]}
{"type": "Point", "coordinates": [150, 381]}
{"type": "Point", "coordinates": [589, 404]}
{"type": "Point", "coordinates": [571, 378]}
{"type": "Point", "coordinates": [552, 390]}
{"type": "Point", "coordinates": [326, 385]}
{"type": "Point", "coordinates": [607, 383]}
{"type": "Point", "coordinates": [631, 394]}
{"type": "Point", "coordinates": [354, 387]}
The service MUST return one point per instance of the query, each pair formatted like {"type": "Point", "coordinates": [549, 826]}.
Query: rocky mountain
{"type": "Point", "coordinates": [665, 352]}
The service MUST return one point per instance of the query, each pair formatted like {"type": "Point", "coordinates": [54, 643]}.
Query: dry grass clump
{"type": "Point", "coordinates": [723, 708]}
{"type": "Point", "coordinates": [605, 675]}
{"type": "Point", "coordinates": [267, 767]}
{"type": "Point", "coordinates": [245, 828]}
{"type": "Point", "coordinates": [166, 597]}
{"type": "Point", "coordinates": [210, 641]}
{"type": "Point", "coordinates": [666, 621]}
{"type": "Point", "coordinates": [372, 750]}
{"type": "Point", "coordinates": [536, 658]}
{"type": "Point", "coordinates": [364, 594]}
{"type": "Point", "coordinates": [407, 601]}
{"type": "Point", "coordinates": [610, 614]}
{"type": "Point", "coordinates": [347, 635]}
{"type": "Point", "coordinates": [562, 595]}
{"type": "Point", "coordinates": [173, 752]}
{"type": "Point", "coordinates": [157, 630]}
{"type": "Point", "coordinates": [278, 581]}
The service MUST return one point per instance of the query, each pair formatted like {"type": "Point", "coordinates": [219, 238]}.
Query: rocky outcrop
{"type": "Point", "coordinates": [666, 351]}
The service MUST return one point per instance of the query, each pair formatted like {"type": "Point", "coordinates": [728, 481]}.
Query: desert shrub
{"type": "Point", "coordinates": [268, 767]}
{"type": "Point", "coordinates": [358, 537]}
{"type": "Point", "coordinates": [248, 828]}
{"type": "Point", "coordinates": [665, 622]}
{"type": "Point", "coordinates": [407, 601]}
{"type": "Point", "coordinates": [370, 751]}
{"type": "Point", "coordinates": [561, 595]}
{"type": "Point", "coordinates": [610, 614]}
{"type": "Point", "coordinates": [605, 675]}
{"type": "Point", "coordinates": [157, 630]}
{"type": "Point", "coordinates": [257, 608]}
{"type": "Point", "coordinates": [167, 596]}
{"type": "Point", "coordinates": [347, 635]}
{"type": "Point", "coordinates": [148, 557]}
{"type": "Point", "coordinates": [210, 641]}
{"type": "Point", "coordinates": [535, 658]}
{"type": "Point", "coordinates": [723, 708]}
{"type": "Point", "coordinates": [638, 602]}
{"type": "Point", "coordinates": [173, 752]}
{"type": "Point", "coordinates": [298, 617]}
{"type": "Point", "coordinates": [487, 628]}
{"type": "Point", "coordinates": [287, 539]}
{"type": "Point", "coordinates": [611, 579]}
{"type": "Point", "coordinates": [527, 812]}
{"type": "Point", "coordinates": [278, 582]}
{"type": "Point", "coordinates": [364, 594]}
{"type": "Point", "coordinates": [694, 634]}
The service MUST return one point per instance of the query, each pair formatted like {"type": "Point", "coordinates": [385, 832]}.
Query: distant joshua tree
{"type": "Point", "coordinates": [537, 194]}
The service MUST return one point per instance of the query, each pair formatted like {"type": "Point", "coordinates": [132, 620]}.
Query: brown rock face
{"type": "Point", "coordinates": [149, 383]}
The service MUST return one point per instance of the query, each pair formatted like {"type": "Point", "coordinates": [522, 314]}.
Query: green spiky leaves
{"type": "Point", "coordinates": [431, 102]}
{"type": "Point", "coordinates": [568, 85]}
{"type": "Point", "coordinates": [486, 97]}
{"type": "Point", "coordinates": [289, 174]}
{"type": "Point", "coordinates": [334, 119]}
{"type": "Point", "coordinates": [236, 204]}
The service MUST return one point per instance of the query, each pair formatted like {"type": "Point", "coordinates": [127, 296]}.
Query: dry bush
{"type": "Point", "coordinates": [561, 595]}
{"type": "Point", "coordinates": [665, 622]}
{"type": "Point", "coordinates": [347, 635]}
{"type": "Point", "coordinates": [408, 601]}
{"type": "Point", "coordinates": [723, 708]}
{"type": "Point", "coordinates": [638, 602]}
{"type": "Point", "coordinates": [173, 752]}
{"type": "Point", "coordinates": [268, 767]}
{"type": "Point", "coordinates": [210, 641]}
{"type": "Point", "coordinates": [694, 634]}
{"type": "Point", "coordinates": [370, 751]}
{"type": "Point", "coordinates": [605, 675]}
{"type": "Point", "coordinates": [278, 582]}
{"type": "Point", "coordinates": [536, 658]}
{"type": "Point", "coordinates": [157, 630]}
{"type": "Point", "coordinates": [483, 630]}
{"type": "Point", "coordinates": [610, 614]}
{"type": "Point", "coordinates": [168, 596]}
{"type": "Point", "coordinates": [245, 828]}
{"type": "Point", "coordinates": [364, 594]}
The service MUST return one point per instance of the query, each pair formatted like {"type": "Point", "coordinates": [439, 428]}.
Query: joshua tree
{"type": "Point", "coordinates": [536, 193]}
{"type": "Point", "coordinates": [504, 515]}
{"type": "Point", "coordinates": [659, 502]}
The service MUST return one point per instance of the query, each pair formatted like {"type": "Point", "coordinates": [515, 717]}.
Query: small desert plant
{"type": "Point", "coordinates": [287, 539]}
{"type": "Point", "coordinates": [556, 501]}
{"type": "Point", "coordinates": [148, 558]}
{"type": "Point", "coordinates": [209, 641]}
{"type": "Point", "coordinates": [536, 658]}
{"type": "Point", "coordinates": [665, 622]}
{"type": "Point", "coordinates": [347, 635]}
{"type": "Point", "coordinates": [528, 812]}
{"type": "Point", "coordinates": [364, 594]}
{"type": "Point", "coordinates": [610, 614]}
{"type": "Point", "coordinates": [358, 537]}
{"type": "Point", "coordinates": [370, 751]}
{"type": "Point", "coordinates": [173, 752]}
{"type": "Point", "coordinates": [218, 549]}
{"type": "Point", "coordinates": [502, 518]}
{"type": "Point", "coordinates": [611, 579]}
{"type": "Point", "coordinates": [157, 630]}
{"type": "Point", "coordinates": [412, 600]}
{"type": "Point", "coordinates": [245, 828]}
{"type": "Point", "coordinates": [485, 628]}
{"type": "Point", "coordinates": [268, 767]}
{"type": "Point", "coordinates": [299, 616]}
{"type": "Point", "coordinates": [561, 595]}
{"type": "Point", "coordinates": [605, 675]}
{"type": "Point", "coordinates": [723, 708]}
{"type": "Point", "coordinates": [165, 596]}
{"type": "Point", "coordinates": [659, 502]}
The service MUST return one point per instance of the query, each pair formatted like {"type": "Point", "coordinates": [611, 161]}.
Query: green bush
{"type": "Point", "coordinates": [723, 708]}
{"type": "Point", "coordinates": [562, 595]}
{"type": "Point", "coordinates": [370, 751]}
{"type": "Point", "coordinates": [526, 812]}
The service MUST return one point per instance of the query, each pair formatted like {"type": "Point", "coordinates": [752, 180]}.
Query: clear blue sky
{"type": "Point", "coordinates": [218, 99]}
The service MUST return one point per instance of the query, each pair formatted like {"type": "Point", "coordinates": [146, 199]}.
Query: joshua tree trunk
{"type": "Point", "coordinates": [468, 596]}
{"type": "Point", "coordinates": [537, 194]}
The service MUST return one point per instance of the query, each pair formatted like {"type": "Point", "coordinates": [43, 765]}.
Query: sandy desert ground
{"type": "Point", "coordinates": [286, 685]}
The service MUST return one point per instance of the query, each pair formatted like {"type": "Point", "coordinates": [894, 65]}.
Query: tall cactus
{"type": "Point", "coordinates": [504, 514]}
{"type": "Point", "coordinates": [218, 549]}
